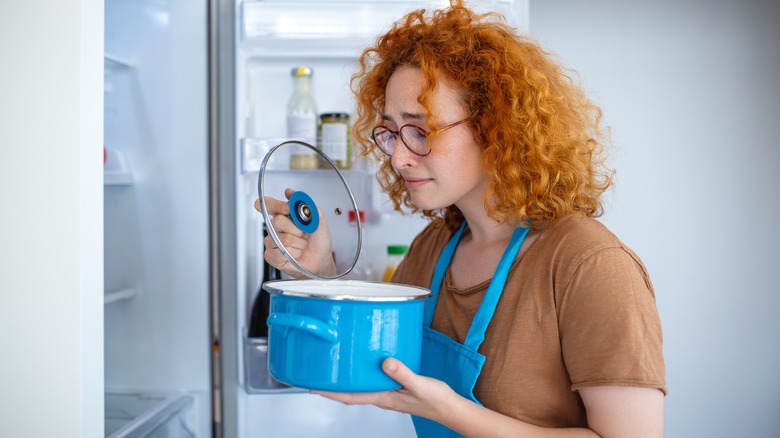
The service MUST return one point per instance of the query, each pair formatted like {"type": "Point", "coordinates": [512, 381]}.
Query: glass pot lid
{"type": "Point", "coordinates": [321, 204]}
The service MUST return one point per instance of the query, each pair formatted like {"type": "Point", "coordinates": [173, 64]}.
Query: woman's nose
{"type": "Point", "coordinates": [402, 156]}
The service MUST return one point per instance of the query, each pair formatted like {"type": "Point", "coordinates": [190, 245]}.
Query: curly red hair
{"type": "Point", "coordinates": [541, 137]}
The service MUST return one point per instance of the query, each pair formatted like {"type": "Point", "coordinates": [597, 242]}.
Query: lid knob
{"type": "Point", "coordinates": [303, 212]}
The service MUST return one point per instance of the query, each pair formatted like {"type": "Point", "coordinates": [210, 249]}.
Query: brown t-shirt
{"type": "Point", "coordinates": [578, 310]}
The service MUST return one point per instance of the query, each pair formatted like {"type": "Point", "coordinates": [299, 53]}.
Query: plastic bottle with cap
{"type": "Point", "coordinates": [395, 253]}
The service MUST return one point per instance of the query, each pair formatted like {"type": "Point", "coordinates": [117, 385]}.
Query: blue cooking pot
{"type": "Point", "coordinates": [333, 335]}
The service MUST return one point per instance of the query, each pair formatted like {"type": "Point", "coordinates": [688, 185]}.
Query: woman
{"type": "Point", "coordinates": [542, 323]}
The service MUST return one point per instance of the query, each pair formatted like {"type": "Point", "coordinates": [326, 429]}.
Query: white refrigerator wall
{"type": "Point", "coordinates": [156, 205]}
{"type": "Point", "coordinates": [690, 89]}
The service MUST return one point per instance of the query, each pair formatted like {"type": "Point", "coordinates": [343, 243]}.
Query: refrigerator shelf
{"type": "Point", "coordinates": [339, 30]}
{"type": "Point", "coordinates": [118, 295]}
{"type": "Point", "coordinates": [115, 61]}
{"type": "Point", "coordinates": [115, 178]}
{"type": "Point", "coordinates": [353, 23]}
{"type": "Point", "coordinates": [135, 415]}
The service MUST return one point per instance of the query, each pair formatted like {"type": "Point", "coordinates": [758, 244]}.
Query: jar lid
{"type": "Point", "coordinates": [318, 200]}
{"type": "Point", "coordinates": [302, 71]}
{"type": "Point", "coordinates": [338, 116]}
{"type": "Point", "coordinates": [397, 249]}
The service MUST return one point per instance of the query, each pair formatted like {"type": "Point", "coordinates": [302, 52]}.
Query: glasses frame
{"type": "Point", "coordinates": [397, 134]}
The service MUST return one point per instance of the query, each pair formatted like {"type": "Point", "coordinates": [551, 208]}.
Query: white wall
{"type": "Point", "coordinates": [51, 232]}
{"type": "Point", "coordinates": [691, 91]}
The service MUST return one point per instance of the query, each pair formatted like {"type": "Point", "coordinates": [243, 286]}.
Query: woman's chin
{"type": "Point", "coordinates": [427, 204]}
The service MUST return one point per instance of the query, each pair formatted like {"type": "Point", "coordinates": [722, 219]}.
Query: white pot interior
{"type": "Point", "coordinates": [347, 290]}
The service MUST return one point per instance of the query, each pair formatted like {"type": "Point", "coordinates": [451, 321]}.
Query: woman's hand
{"type": "Point", "coordinates": [312, 251]}
{"type": "Point", "coordinates": [421, 396]}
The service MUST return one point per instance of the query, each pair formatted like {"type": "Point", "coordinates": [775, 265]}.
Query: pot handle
{"type": "Point", "coordinates": [326, 331]}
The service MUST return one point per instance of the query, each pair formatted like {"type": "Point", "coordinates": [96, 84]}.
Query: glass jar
{"type": "Point", "coordinates": [334, 139]}
{"type": "Point", "coordinates": [302, 119]}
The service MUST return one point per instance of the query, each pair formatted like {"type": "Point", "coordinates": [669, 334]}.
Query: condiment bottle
{"type": "Point", "coordinates": [302, 119]}
{"type": "Point", "coordinates": [334, 139]}
{"type": "Point", "coordinates": [395, 253]}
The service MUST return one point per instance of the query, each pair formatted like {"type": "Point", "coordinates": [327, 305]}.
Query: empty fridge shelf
{"type": "Point", "coordinates": [134, 415]}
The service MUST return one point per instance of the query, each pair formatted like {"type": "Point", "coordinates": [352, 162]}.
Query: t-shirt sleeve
{"type": "Point", "coordinates": [609, 325]}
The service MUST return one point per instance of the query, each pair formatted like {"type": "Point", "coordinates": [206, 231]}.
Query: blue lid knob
{"type": "Point", "coordinates": [304, 213]}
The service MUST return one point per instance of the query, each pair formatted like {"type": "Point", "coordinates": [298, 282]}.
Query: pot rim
{"type": "Point", "coordinates": [348, 290]}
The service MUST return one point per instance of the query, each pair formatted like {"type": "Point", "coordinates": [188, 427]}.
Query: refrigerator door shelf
{"type": "Point", "coordinates": [257, 379]}
{"type": "Point", "coordinates": [116, 170]}
{"type": "Point", "coordinates": [254, 149]}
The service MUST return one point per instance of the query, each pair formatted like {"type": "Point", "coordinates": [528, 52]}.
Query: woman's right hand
{"type": "Point", "coordinates": [312, 251]}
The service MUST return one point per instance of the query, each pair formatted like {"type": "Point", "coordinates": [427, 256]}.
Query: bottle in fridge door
{"type": "Point", "coordinates": [395, 253]}
{"type": "Point", "coordinates": [302, 119]}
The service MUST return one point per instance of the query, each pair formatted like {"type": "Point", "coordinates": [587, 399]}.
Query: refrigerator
{"type": "Point", "coordinates": [195, 95]}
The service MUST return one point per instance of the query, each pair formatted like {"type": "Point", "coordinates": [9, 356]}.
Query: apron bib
{"type": "Point", "coordinates": [459, 365]}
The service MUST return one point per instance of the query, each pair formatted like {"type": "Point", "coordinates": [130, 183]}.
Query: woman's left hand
{"type": "Point", "coordinates": [421, 396]}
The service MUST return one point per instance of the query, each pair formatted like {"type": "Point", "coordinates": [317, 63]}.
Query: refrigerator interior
{"type": "Point", "coordinates": [157, 369]}
{"type": "Point", "coordinates": [271, 37]}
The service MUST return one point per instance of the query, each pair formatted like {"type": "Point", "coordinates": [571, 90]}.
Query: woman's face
{"type": "Point", "coordinates": [452, 173]}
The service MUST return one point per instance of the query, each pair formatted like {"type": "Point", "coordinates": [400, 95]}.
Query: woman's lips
{"type": "Point", "coordinates": [414, 183]}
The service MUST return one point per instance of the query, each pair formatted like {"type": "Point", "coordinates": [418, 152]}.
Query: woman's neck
{"type": "Point", "coordinates": [484, 230]}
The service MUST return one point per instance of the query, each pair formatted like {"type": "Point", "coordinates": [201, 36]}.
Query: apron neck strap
{"type": "Point", "coordinates": [438, 274]}
{"type": "Point", "coordinates": [487, 308]}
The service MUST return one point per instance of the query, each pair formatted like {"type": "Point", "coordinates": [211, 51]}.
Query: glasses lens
{"type": "Point", "coordinates": [385, 139]}
{"type": "Point", "coordinates": [416, 139]}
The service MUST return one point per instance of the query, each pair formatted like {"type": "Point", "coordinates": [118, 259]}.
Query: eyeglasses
{"type": "Point", "coordinates": [413, 137]}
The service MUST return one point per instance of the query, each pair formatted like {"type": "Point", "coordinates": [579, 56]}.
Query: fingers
{"type": "Point", "coordinates": [393, 368]}
{"type": "Point", "coordinates": [290, 236]}
{"type": "Point", "coordinates": [357, 398]}
{"type": "Point", "coordinates": [275, 206]}
{"type": "Point", "coordinates": [399, 372]}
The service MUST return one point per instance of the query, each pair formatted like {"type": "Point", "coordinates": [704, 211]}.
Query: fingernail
{"type": "Point", "coordinates": [391, 365]}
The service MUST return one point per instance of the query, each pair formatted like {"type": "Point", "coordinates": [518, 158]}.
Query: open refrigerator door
{"type": "Point", "coordinates": [156, 250]}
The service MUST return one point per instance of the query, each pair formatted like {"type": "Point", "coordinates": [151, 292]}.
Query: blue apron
{"type": "Point", "coordinates": [459, 365]}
